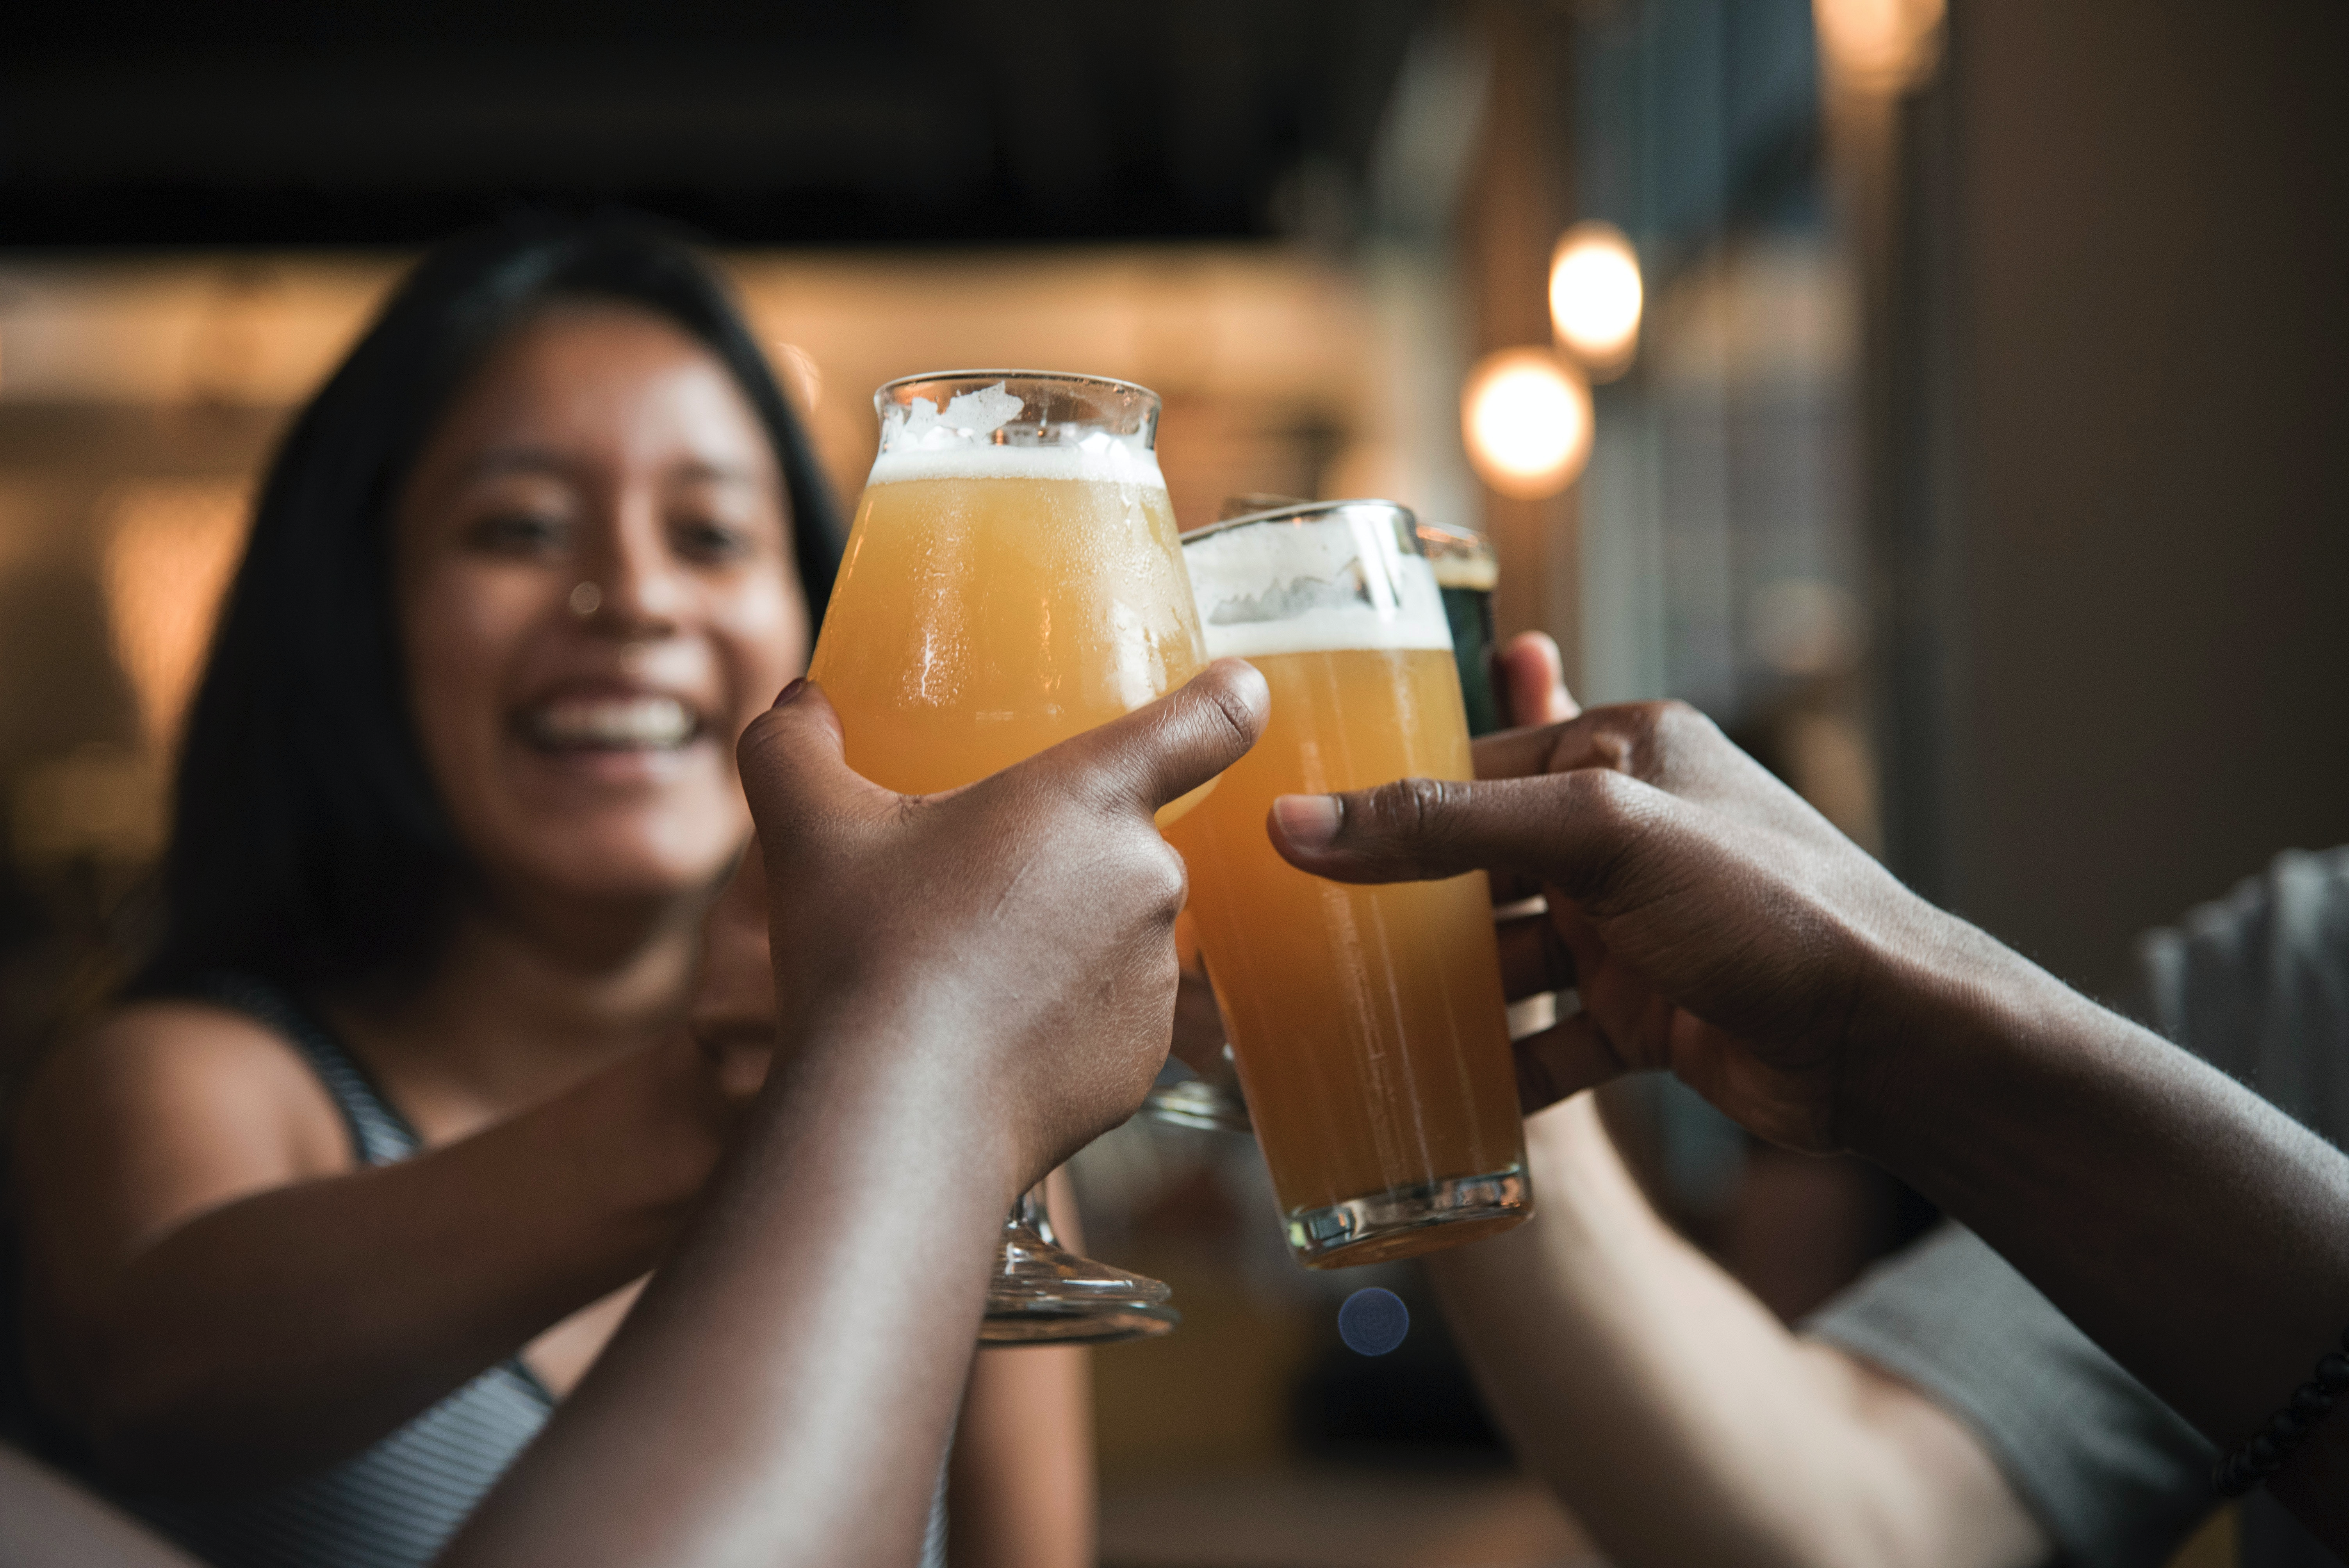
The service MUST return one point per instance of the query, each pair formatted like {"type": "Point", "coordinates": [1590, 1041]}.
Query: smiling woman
{"type": "Point", "coordinates": [318, 1224]}
{"type": "Point", "coordinates": [592, 754]}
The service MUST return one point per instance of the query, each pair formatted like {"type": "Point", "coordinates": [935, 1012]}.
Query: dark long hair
{"type": "Point", "coordinates": [309, 844]}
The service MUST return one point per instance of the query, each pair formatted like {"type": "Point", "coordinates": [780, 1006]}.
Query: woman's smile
{"type": "Point", "coordinates": [617, 735]}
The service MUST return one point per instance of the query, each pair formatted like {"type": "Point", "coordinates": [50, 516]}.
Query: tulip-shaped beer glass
{"type": "Point", "coordinates": [1012, 579]}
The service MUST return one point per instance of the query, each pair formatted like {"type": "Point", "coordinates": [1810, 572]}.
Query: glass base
{"type": "Point", "coordinates": [1043, 1293]}
{"type": "Point", "coordinates": [1411, 1219]}
{"type": "Point", "coordinates": [1196, 1103]}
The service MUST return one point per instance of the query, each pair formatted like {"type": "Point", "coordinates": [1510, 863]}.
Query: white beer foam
{"type": "Point", "coordinates": [921, 441]}
{"type": "Point", "coordinates": [1302, 588]}
{"type": "Point", "coordinates": [1111, 462]}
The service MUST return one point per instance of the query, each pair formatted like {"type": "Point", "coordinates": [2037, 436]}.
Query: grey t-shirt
{"type": "Point", "coordinates": [2256, 984]}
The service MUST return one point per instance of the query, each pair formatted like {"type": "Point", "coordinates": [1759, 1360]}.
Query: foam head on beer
{"type": "Point", "coordinates": [979, 434]}
{"type": "Point", "coordinates": [1338, 581]}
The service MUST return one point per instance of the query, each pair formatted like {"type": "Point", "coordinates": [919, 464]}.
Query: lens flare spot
{"type": "Point", "coordinates": [1373, 1321]}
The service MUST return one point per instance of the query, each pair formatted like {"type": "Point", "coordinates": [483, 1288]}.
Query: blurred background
{"type": "Point", "coordinates": [1951, 406]}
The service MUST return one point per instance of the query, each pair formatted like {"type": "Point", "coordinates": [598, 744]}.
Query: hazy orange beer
{"type": "Point", "coordinates": [995, 599]}
{"type": "Point", "coordinates": [1367, 1023]}
{"type": "Point", "coordinates": [1013, 578]}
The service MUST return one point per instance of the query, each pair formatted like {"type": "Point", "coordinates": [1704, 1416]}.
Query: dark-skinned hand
{"type": "Point", "coordinates": [1714, 923]}
{"type": "Point", "coordinates": [1053, 869]}
{"type": "Point", "coordinates": [1530, 678]}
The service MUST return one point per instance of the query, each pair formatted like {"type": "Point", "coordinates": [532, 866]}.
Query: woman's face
{"type": "Point", "coordinates": [595, 594]}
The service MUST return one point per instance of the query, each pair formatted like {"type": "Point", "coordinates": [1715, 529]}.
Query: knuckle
{"type": "Point", "coordinates": [756, 739]}
{"type": "Point", "coordinates": [1232, 719]}
{"type": "Point", "coordinates": [1601, 798]}
{"type": "Point", "coordinates": [1174, 881]}
{"type": "Point", "coordinates": [1646, 732]}
{"type": "Point", "coordinates": [1404, 823]}
{"type": "Point", "coordinates": [1591, 789]}
{"type": "Point", "coordinates": [1649, 720]}
{"type": "Point", "coordinates": [1568, 740]}
{"type": "Point", "coordinates": [1678, 722]}
{"type": "Point", "coordinates": [1406, 807]}
{"type": "Point", "coordinates": [1613, 812]}
{"type": "Point", "coordinates": [1682, 735]}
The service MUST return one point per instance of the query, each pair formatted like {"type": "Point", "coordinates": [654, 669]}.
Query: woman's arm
{"type": "Point", "coordinates": [967, 988]}
{"type": "Point", "coordinates": [214, 1296]}
{"type": "Point", "coordinates": [783, 1389]}
{"type": "Point", "coordinates": [1678, 1420]}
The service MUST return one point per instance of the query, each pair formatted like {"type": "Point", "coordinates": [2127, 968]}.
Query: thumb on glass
{"type": "Point", "coordinates": [1165, 749]}
{"type": "Point", "coordinates": [795, 770]}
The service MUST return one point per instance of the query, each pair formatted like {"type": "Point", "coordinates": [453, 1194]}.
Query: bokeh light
{"type": "Point", "coordinates": [1879, 46]}
{"type": "Point", "coordinates": [1595, 297]}
{"type": "Point", "coordinates": [1373, 1321]}
{"type": "Point", "coordinates": [1524, 415]}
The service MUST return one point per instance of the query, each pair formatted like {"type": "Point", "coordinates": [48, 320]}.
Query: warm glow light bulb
{"type": "Point", "coordinates": [1526, 416]}
{"type": "Point", "coordinates": [1595, 296]}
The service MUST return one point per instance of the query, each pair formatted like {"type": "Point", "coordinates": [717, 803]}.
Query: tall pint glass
{"type": "Point", "coordinates": [1208, 1096]}
{"type": "Point", "coordinates": [1367, 1023]}
{"type": "Point", "coordinates": [1012, 579]}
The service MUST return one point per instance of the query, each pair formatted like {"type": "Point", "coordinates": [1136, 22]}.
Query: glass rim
{"type": "Point", "coordinates": [1455, 532]}
{"type": "Point", "coordinates": [1077, 377]}
{"type": "Point", "coordinates": [1305, 509]}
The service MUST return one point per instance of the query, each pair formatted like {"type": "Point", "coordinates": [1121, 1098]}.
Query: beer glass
{"type": "Point", "coordinates": [1465, 574]}
{"type": "Point", "coordinates": [1012, 579]}
{"type": "Point", "coordinates": [1367, 1023]}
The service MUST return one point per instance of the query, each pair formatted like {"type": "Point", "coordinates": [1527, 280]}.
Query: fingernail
{"type": "Point", "coordinates": [1308, 821]}
{"type": "Point", "coordinates": [791, 691]}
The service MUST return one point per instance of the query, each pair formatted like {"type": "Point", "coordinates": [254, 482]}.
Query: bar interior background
{"type": "Point", "coordinates": [1980, 465]}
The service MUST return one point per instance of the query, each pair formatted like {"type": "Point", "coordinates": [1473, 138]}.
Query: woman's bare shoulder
{"type": "Point", "coordinates": [180, 1083]}
{"type": "Point", "coordinates": [48, 1522]}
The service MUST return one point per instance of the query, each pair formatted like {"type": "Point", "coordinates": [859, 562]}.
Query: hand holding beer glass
{"type": "Point", "coordinates": [1012, 579]}
{"type": "Point", "coordinates": [1367, 1023]}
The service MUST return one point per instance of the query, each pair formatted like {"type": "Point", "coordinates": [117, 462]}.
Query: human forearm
{"type": "Point", "coordinates": [967, 987]}
{"type": "Point", "coordinates": [1716, 925]}
{"type": "Point", "coordinates": [1677, 1417]}
{"type": "Point", "coordinates": [792, 1372]}
{"type": "Point", "coordinates": [282, 1330]}
{"type": "Point", "coordinates": [2189, 1227]}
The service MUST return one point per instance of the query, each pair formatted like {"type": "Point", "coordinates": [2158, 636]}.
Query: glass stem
{"type": "Point", "coordinates": [1032, 1215]}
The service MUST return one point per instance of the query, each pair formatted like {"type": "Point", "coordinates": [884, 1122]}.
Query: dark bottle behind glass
{"type": "Point", "coordinates": [1465, 569]}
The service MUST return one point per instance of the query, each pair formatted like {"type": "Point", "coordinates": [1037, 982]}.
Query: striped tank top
{"type": "Point", "coordinates": [398, 1503]}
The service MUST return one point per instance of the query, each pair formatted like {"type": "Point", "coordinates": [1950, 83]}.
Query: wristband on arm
{"type": "Point", "coordinates": [2258, 1461]}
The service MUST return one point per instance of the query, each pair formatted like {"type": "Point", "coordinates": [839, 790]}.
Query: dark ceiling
{"type": "Point", "coordinates": [145, 122]}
